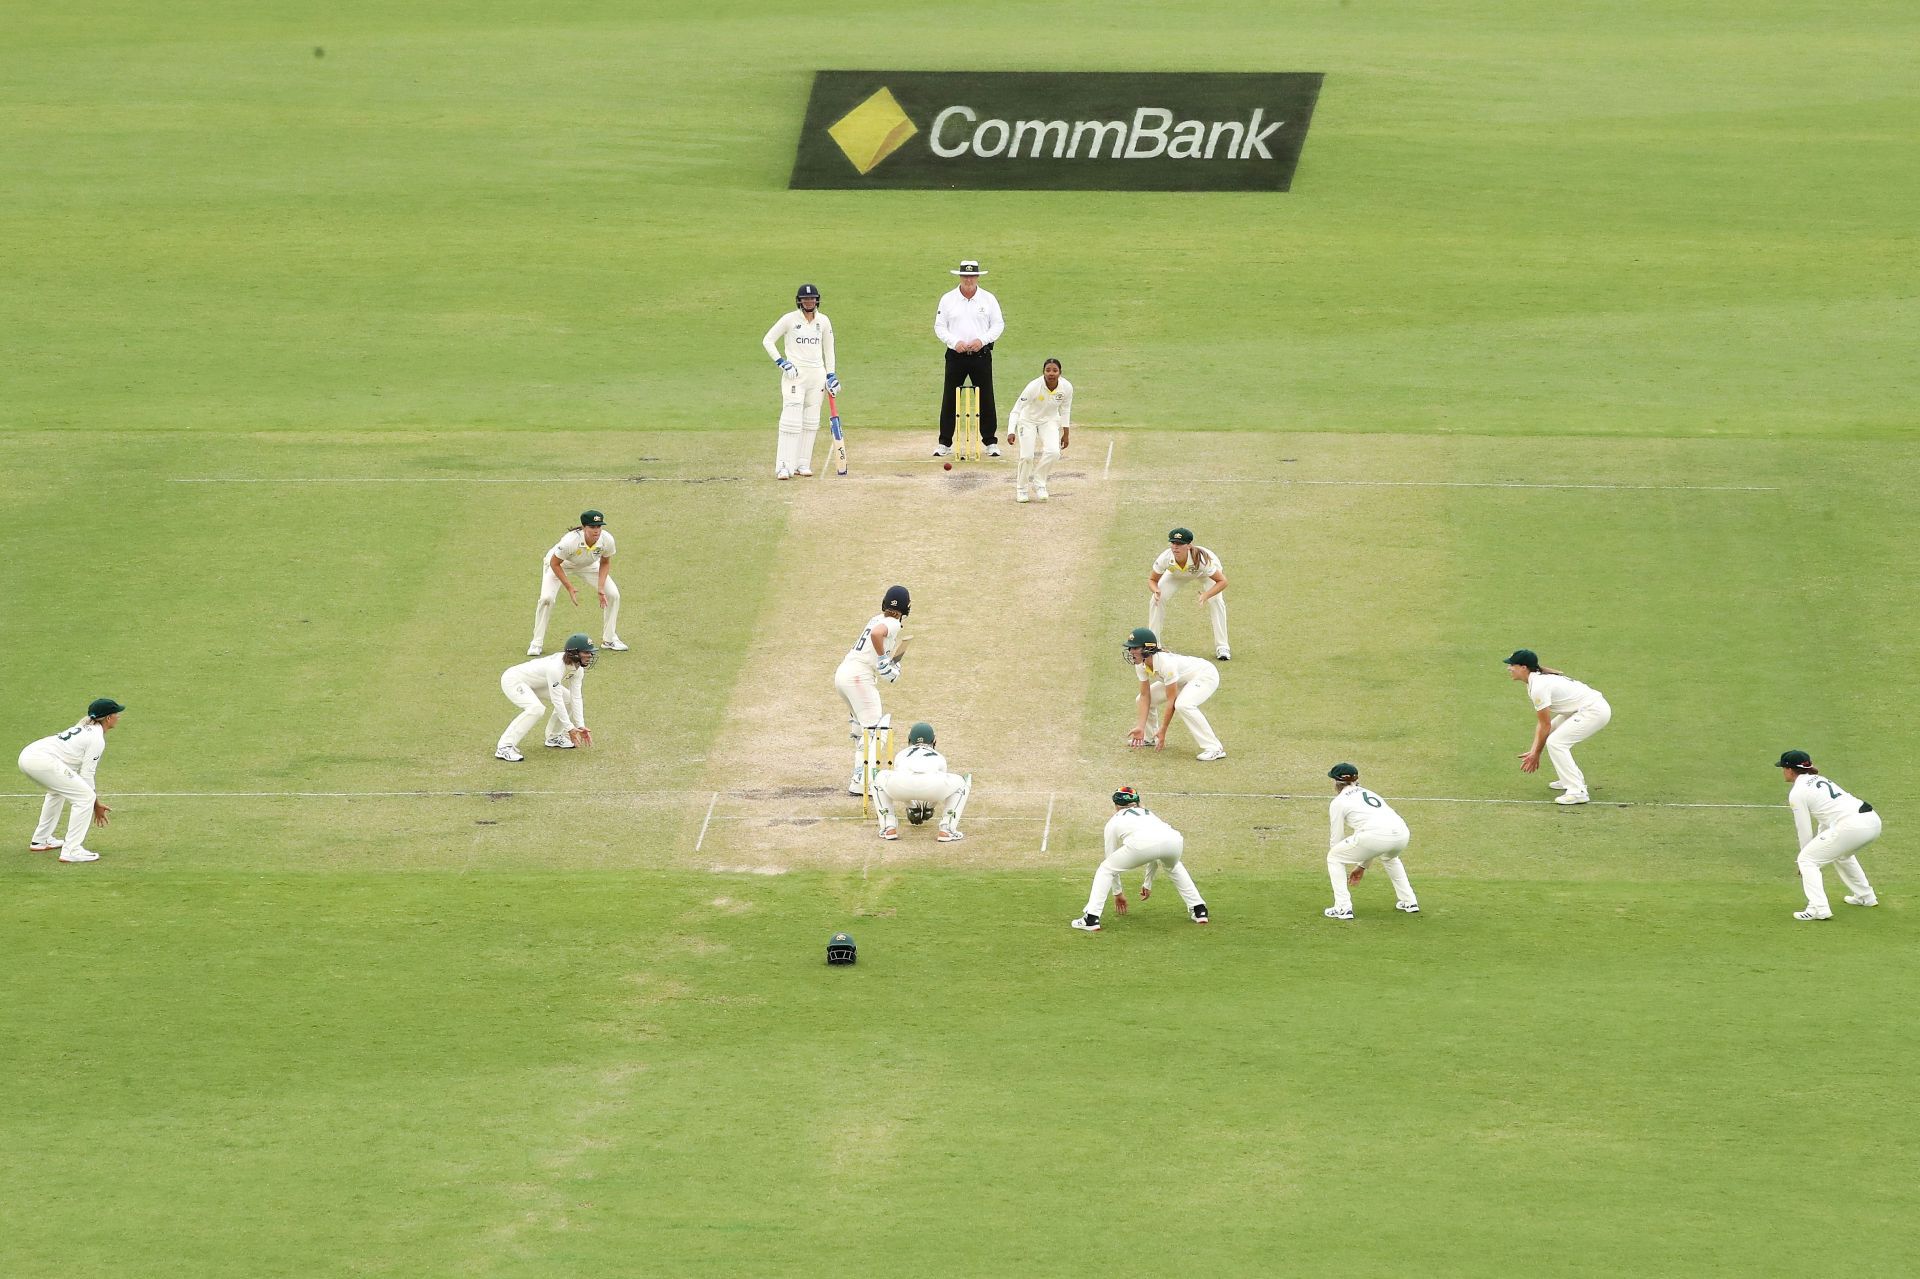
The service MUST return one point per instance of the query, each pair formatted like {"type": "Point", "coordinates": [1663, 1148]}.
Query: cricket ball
{"type": "Point", "coordinates": [946, 466]}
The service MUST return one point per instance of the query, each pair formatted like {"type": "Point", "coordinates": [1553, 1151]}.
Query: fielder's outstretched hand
{"type": "Point", "coordinates": [1353, 876]}
{"type": "Point", "coordinates": [100, 812]}
{"type": "Point", "coordinates": [581, 736]}
{"type": "Point", "coordinates": [1138, 737]}
{"type": "Point", "coordinates": [1529, 761]}
{"type": "Point", "coordinates": [1120, 901]}
{"type": "Point", "coordinates": [1146, 891]}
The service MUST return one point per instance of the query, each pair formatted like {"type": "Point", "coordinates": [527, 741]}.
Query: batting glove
{"type": "Point", "coordinates": [888, 671]}
{"type": "Point", "coordinates": [833, 383]}
{"type": "Point", "coordinates": [784, 364]}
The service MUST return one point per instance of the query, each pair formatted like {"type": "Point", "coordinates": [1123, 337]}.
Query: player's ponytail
{"type": "Point", "coordinates": [1805, 770]}
{"type": "Point", "coordinates": [1202, 558]}
{"type": "Point", "coordinates": [1548, 670]}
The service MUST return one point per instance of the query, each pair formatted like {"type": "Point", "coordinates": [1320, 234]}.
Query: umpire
{"type": "Point", "coordinates": [968, 323]}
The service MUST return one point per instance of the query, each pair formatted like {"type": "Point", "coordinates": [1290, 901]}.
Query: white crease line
{"type": "Point", "coordinates": [1046, 831]}
{"type": "Point", "coordinates": [705, 824]}
{"type": "Point", "coordinates": [1491, 484]}
{"type": "Point", "coordinates": [422, 479]}
{"type": "Point", "coordinates": [1107, 470]}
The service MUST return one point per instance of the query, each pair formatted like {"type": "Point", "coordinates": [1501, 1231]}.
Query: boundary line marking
{"type": "Point", "coordinates": [681, 796]}
{"type": "Point", "coordinates": [708, 821]}
{"type": "Point", "coordinates": [427, 479]}
{"type": "Point", "coordinates": [1492, 484]}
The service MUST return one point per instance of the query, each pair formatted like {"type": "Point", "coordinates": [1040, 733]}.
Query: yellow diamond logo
{"type": "Point", "coordinates": [872, 131]}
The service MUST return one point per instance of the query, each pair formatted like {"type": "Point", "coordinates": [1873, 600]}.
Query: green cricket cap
{"type": "Point", "coordinates": [1525, 657]}
{"type": "Point", "coordinates": [101, 707]}
{"type": "Point", "coordinates": [1181, 537]}
{"type": "Point", "coordinates": [1344, 773]}
{"type": "Point", "coordinates": [1141, 637]}
{"type": "Point", "coordinates": [579, 644]}
{"type": "Point", "coordinates": [1126, 795]}
{"type": "Point", "coordinates": [921, 732]}
{"type": "Point", "coordinates": [1794, 759]}
{"type": "Point", "coordinates": [592, 519]}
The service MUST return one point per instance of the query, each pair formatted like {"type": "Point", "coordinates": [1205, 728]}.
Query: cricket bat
{"type": "Point", "coordinates": [899, 650]}
{"type": "Point", "coordinates": [839, 438]}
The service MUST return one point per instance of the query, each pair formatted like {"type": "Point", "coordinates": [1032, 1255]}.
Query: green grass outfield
{"type": "Point", "coordinates": [1590, 329]}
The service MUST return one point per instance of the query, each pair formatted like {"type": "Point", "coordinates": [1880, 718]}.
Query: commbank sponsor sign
{"type": "Point", "coordinates": [1055, 130]}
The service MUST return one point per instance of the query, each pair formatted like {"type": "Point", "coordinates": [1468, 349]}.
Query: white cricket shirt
{"type": "Point", "coordinates": [920, 759]}
{"type": "Point", "coordinates": [577, 556]}
{"type": "Point", "coordinates": [1038, 406]}
{"type": "Point", "coordinates": [1364, 813]}
{"type": "Point", "coordinates": [1821, 800]}
{"type": "Point", "coordinates": [1560, 694]}
{"type": "Point", "coordinates": [560, 682]}
{"type": "Point", "coordinates": [808, 345]}
{"type": "Point", "coordinates": [862, 653]}
{"type": "Point", "coordinates": [1141, 826]}
{"type": "Point", "coordinates": [1174, 668]}
{"type": "Point", "coordinates": [79, 748]}
{"type": "Point", "coordinates": [1164, 563]}
{"type": "Point", "coordinates": [961, 319]}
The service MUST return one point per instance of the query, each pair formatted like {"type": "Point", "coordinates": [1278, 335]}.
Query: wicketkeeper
{"type": "Point", "coordinates": [919, 779]}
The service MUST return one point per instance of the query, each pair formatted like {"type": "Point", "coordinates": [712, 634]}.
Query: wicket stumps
{"type": "Point", "coordinates": [966, 423]}
{"type": "Point", "coordinates": [876, 753]}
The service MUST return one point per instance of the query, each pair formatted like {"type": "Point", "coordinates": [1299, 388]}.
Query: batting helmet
{"type": "Point", "coordinates": [897, 597]}
{"type": "Point", "coordinates": [840, 949]}
{"type": "Point", "coordinates": [805, 291]}
{"type": "Point", "coordinates": [1126, 795]}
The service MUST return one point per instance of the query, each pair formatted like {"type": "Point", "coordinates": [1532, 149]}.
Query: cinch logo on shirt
{"type": "Point", "coordinates": [1225, 131]}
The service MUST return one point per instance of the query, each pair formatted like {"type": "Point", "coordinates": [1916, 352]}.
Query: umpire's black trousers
{"type": "Point", "coordinates": [976, 367]}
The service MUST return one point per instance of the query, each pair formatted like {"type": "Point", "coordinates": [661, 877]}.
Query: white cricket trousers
{"type": "Point", "coordinates": [801, 394]}
{"type": "Point", "coordinates": [63, 786]}
{"type": "Point", "coordinates": [1043, 440]}
{"type": "Point", "coordinates": [1131, 855]}
{"type": "Point", "coordinates": [532, 706]}
{"type": "Point", "coordinates": [1358, 850]}
{"type": "Point", "coordinates": [861, 687]}
{"type": "Point", "coordinates": [1835, 847]}
{"type": "Point", "coordinates": [1216, 611]}
{"type": "Point", "coordinates": [895, 785]}
{"type": "Point", "coordinates": [588, 584]}
{"type": "Point", "coordinates": [1568, 732]}
{"type": "Point", "coordinates": [1186, 707]}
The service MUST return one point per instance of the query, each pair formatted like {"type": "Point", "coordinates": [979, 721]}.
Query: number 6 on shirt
{"type": "Point", "coordinates": [839, 440]}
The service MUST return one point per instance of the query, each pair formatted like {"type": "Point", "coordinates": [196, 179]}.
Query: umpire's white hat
{"type": "Point", "coordinates": [968, 266]}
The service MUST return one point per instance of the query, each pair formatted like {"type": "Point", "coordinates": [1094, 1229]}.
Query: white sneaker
{"type": "Point", "coordinates": [1338, 912]}
{"type": "Point", "coordinates": [79, 855]}
{"type": "Point", "coordinates": [1810, 916]}
{"type": "Point", "coordinates": [993, 450]}
{"type": "Point", "coordinates": [613, 645]}
{"type": "Point", "coordinates": [561, 743]}
{"type": "Point", "coordinates": [1218, 752]}
{"type": "Point", "coordinates": [949, 837]}
{"type": "Point", "coordinates": [1573, 797]}
{"type": "Point", "coordinates": [891, 832]}
{"type": "Point", "coordinates": [1412, 908]}
{"type": "Point", "coordinates": [805, 472]}
{"type": "Point", "coordinates": [533, 650]}
{"type": "Point", "coordinates": [854, 787]}
{"type": "Point", "coordinates": [1020, 495]}
{"type": "Point", "coordinates": [1039, 492]}
{"type": "Point", "coordinates": [511, 755]}
{"type": "Point", "coordinates": [52, 844]}
{"type": "Point", "coordinates": [943, 450]}
{"type": "Point", "coordinates": [1556, 785]}
{"type": "Point", "coordinates": [1223, 656]}
{"type": "Point", "coordinates": [780, 473]}
{"type": "Point", "coordinates": [1088, 923]}
{"type": "Point", "coordinates": [1861, 901]}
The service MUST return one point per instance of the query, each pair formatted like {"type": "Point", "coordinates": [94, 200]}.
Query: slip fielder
{"type": "Point", "coordinates": [548, 682]}
{"type": "Point", "coordinates": [1137, 836]}
{"type": "Point", "coordinates": [1846, 823]}
{"type": "Point", "coordinates": [806, 374]}
{"type": "Point", "coordinates": [585, 548]}
{"type": "Point", "coordinates": [1179, 684]}
{"type": "Point", "coordinates": [1377, 832]}
{"type": "Point", "coordinates": [920, 779]}
{"type": "Point", "coordinates": [870, 660]}
{"type": "Point", "coordinates": [1041, 422]}
{"type": "Point", "coordinates": [1566, 713]}
{"type": "Point", "coordinates": [64, 766]}
{"type": "Point", "coordinates": [1182, 561]}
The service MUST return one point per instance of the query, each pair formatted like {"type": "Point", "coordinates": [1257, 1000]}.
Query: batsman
{"type": "Point", "coordinates": [920, 779]}
{"type": "Point", "coordinates": [806, 374]}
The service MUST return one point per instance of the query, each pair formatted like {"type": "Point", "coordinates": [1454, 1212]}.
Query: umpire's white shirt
{"type": "Point", "coordinates": [961, 319]}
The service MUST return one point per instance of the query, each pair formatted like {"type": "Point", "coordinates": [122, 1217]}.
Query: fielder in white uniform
{"type": "Point", "coordinates": [1182, 561]}
{"type": "Point", "coordinates": [1567, 713]}
{"type": "Point", "coordinates": [586, 548]}
{"type": "Point", "coordinates": [548, 686]}
{"type": "Point", "coordinates": [806, 375]}
{"type": "Point", "coordinates": [1376, 832]}
{"type": "Point", "coordinates": [1178, 684]}
{"type": "Point", "coordinates": [919, 778]}
{"type": "Point", "coordinates": [1846, 825]}
{"type": "Point", "coordinates": [64, 765]}
{"type": "Point", "coordinates": [1138, 837]}
{"type": "Point", "coordinates": [870, 660]}
{"type": "Point", "coordinates": [1041, 422]}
